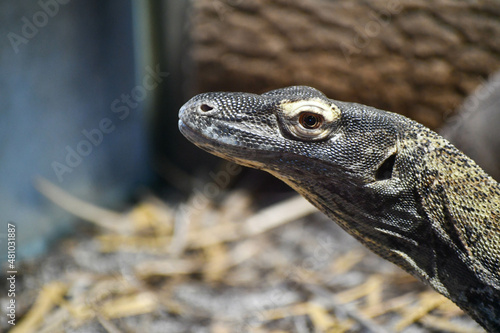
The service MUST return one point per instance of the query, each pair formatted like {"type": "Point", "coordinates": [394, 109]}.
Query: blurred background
{"type": "Point", "coordinates": [90, 90]}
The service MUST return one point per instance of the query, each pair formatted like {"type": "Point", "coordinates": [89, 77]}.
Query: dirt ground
{"type": "Point", "coordinates": [219, 262]}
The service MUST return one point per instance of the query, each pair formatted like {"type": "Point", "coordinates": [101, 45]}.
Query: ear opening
{"type": "Point", "coordinates": [384, 171]}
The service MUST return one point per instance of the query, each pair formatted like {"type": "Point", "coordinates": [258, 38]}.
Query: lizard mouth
{"type": "Point", "coordinates": [198, 138]}
{"type": "Point", "coordinates": [189, 133]}
{"type": "Point", "coordinates": [227, 151]}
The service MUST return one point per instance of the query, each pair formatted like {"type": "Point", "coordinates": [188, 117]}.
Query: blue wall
{"type": "Point", "coordinates": [67, 88]}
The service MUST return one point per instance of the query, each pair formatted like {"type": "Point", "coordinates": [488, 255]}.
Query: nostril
{"type": "Point", "coordinates": [206, 107]}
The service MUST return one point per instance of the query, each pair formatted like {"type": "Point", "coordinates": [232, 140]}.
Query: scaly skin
{"type": "Point", "coordinates": [399, 188]}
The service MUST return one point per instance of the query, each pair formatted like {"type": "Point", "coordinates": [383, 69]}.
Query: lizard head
{"type": "Point", "coordinates": [347, 159]}
{"type": "Point", "coordinates": [399, 188]}
{"type": "Point", "coordinates": [295, 130]}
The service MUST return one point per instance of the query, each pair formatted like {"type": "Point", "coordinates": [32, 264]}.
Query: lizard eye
{"type": "Point", "coordinates": [310, 120]}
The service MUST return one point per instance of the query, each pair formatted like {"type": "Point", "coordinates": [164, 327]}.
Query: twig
{"type": "Point", "coordinates": [84, 210]}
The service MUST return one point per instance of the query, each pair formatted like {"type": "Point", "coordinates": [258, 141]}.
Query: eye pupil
{"type": "Point", "coordinates": [310, 121]}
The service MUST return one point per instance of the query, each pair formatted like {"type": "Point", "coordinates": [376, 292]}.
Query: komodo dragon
{"type": "Point", "coordinates": [399, 188]}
